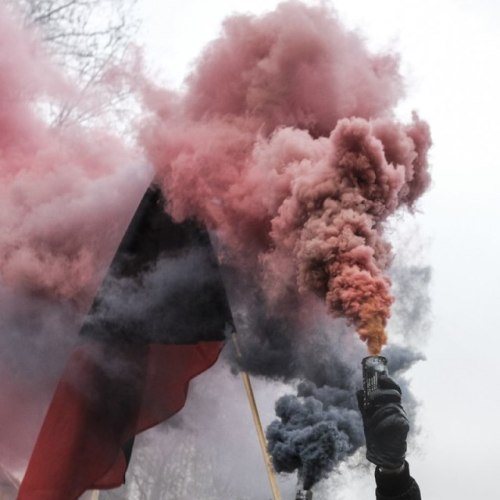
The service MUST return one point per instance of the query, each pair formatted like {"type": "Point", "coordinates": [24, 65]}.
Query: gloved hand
{"type": "Point", "coordinates": [386, 424]}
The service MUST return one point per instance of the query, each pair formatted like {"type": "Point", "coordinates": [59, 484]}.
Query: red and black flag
{"type": "Point", "coordinates": [160, 318]}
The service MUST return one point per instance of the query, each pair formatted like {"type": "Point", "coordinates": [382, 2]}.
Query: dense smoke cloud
{"type": "Point", "coordinates": [285, 143]}
{"type": "Point", "coordinates": [60, 187]}
{"type": "Point", "coordinates": [323, 353]}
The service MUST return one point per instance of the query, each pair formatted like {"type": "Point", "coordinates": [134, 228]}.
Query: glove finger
{"type": "Point", "coordinates": [386, 382]}
{"type": "Point", "coordinates": [384, 396]}
{"type": "Point", "coordinates": [391, 415]}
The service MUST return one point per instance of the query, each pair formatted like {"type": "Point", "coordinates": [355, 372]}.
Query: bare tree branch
{"type": "Point", "coordinates": [51, 13]}
{"type": "Point", "coordinates": [87, 38]}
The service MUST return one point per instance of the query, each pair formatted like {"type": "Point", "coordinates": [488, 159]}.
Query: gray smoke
{"type": "Point", "coordinates": [210, 450]}
{"type": "Point", "coordinates": [320, 426]}
{"type": "Point", "coordinates": [36, 335]}
{"type": "Point", "coordinates": [411, 309]}
{"type": "Point", "coordinates": [317, 429]}
{"type": "Point", "coordinates": [172, 300]}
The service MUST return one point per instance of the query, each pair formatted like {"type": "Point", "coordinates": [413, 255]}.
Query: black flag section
{"type": "Point", "coordinates": [158, 320]}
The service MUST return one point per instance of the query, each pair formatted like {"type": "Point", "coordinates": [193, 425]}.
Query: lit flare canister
{"type": "Point", "coordinates": [373, 367]}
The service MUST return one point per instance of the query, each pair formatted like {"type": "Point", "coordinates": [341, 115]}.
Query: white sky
{"type": "Point", "coordinates": [449, 55]}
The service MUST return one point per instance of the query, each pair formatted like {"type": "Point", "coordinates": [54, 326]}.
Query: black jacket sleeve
{"type": "Point", "coordinates": [396, 486]}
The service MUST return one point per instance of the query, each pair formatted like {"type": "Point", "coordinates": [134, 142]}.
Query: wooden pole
{"type": "Point", "coordinates": [258, 427]}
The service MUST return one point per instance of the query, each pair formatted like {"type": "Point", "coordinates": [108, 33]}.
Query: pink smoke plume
{"type": "Point", "coordinates": [285, 142]}
{"type": "Point", "coordinates": [66, 196]}
{"type": "Point", "coordinates": [61, 189]}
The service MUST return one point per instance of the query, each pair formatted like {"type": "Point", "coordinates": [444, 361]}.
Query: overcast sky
{"type": "Point", "coordinates": [450, 60]}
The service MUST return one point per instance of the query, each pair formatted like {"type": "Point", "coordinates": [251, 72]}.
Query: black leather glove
{"type": "Point", "coordinates": [386, 424]}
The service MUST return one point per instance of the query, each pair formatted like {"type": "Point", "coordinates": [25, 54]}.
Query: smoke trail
{"type": "Point", "coordinates": [318, 429]}
{"type": "Point", "coordinates": [66, 196]}
{"type": "Point", "coordinates": [54, 180]}
{"type": "Point", "coordinates": [285, 143]}
{"type": "Point", "coordinates": [36, 336]}
{"type": "Point", "coordinates": [320, 426]}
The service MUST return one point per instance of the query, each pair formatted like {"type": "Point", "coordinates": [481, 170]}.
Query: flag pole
{"type": "Point", "coordinates": [258, 426]}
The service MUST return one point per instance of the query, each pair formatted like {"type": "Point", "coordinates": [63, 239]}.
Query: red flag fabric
{"type": "Point", "coordinates": [159, 320]}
